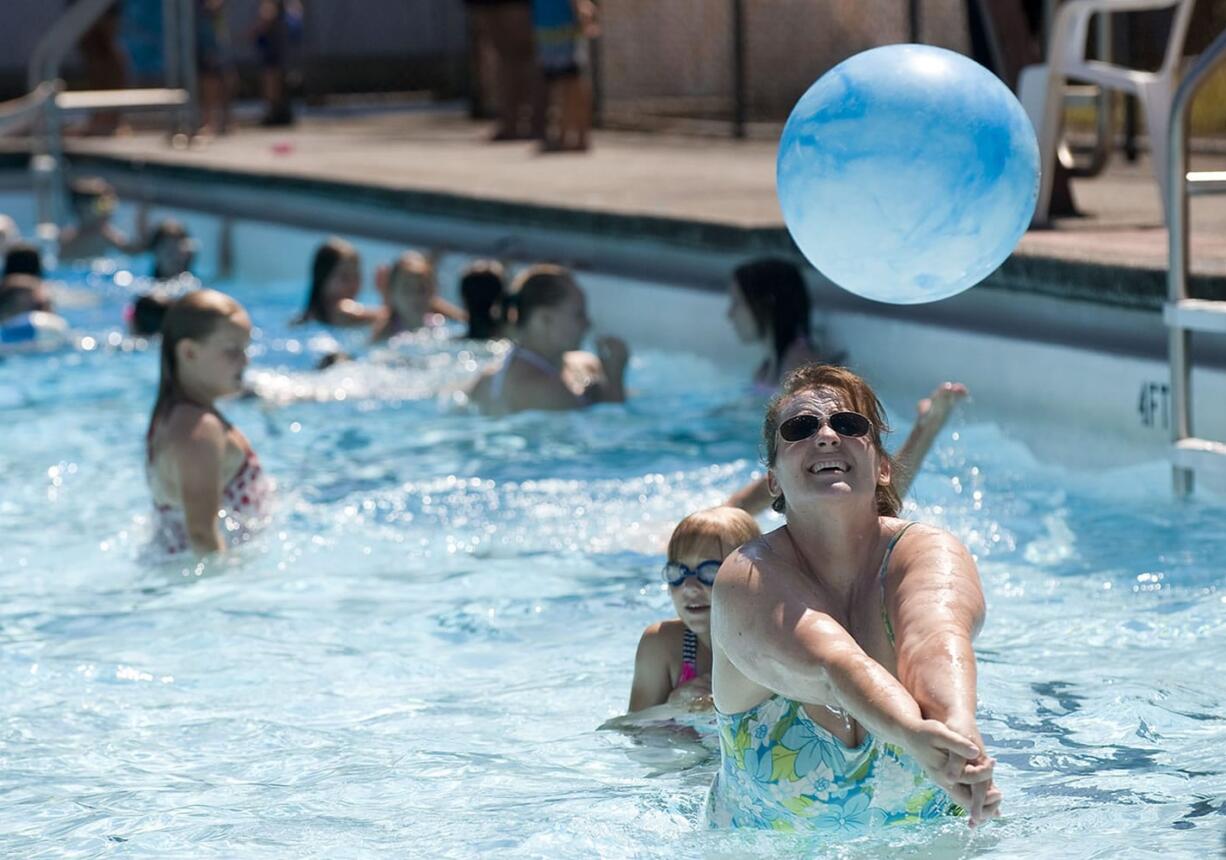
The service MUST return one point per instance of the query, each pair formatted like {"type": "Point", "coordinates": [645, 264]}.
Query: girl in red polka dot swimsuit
{"type": "Point", "coordinates": [209, 491]}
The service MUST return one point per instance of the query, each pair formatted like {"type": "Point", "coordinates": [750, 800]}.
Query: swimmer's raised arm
{"type": "Point", "coordinates": [934, 411]}
{"type": "Point", "coordinates": [771, 634]}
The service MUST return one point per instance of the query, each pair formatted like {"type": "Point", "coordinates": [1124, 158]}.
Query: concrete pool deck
{"type": "Point", "coordinates": [697, 193]}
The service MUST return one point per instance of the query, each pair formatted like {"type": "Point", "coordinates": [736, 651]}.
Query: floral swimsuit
{"type": "Point", "coordinates": [781, 770]}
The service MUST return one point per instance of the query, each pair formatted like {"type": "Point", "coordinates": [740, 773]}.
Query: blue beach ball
{"type": "Point", "coordinates": [907, 173]}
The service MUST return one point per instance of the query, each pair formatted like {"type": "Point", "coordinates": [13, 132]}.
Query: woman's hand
{"type": "Point", "coordinates": [976, 774]}
{"type": "Point", "coordinates": [958, 765]}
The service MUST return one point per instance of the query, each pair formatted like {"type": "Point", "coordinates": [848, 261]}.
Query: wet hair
{"type": "Point", "coordinates": [23, 258]}
{"type": "Point", "coordinates": [193, 316]}
{"type": "Point", "coordinates": [540, 286]}
{"type": "Point", "coordinates": [856, 395]}
{"type": "Point", "coordinates": [328, 256]}
{"type": "Point", "coordinates": [776, 294]}
{"type": "Point", "coordinates": [18, 294]}
{"type": "Point", "coordinates": [167, 229]}
{"type": "Point", "coordinates": [148, 314]}
{"type": "Point", "coordinates": [483, 289]}
{"type": "Point", "coordinates": [726, 526]}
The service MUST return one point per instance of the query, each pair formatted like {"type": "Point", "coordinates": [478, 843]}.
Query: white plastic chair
{"type": "Point", "coordinates": [1041, 87]}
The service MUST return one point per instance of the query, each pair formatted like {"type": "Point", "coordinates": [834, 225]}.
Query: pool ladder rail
{"type": "Point", "coordinates": [1184, 315]}
{"type": "Point", "coordinates": [48, 102]}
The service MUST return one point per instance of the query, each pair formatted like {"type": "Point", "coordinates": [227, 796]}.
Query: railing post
{"type": "Point", "coordinates": [739, 89]}
{"type": "Point", "coordinates": [1177, 290]}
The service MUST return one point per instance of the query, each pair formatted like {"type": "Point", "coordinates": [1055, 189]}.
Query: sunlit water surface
{"type": "Point", "coordinates": [414, 659]}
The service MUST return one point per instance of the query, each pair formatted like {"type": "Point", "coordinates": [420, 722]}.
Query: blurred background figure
{"type": "Point", "coordinates": [562, 29]}
{"type": "Point", "coordinates": [93, 203]}
{"type": "Point", "coordinates": [410, 297]}
{"type": "Point", "coordinates": [277, 32]}
{"type": "Point", "coordinates": [106, 67]}
{"type": "Point", "coordinates": [22, 258]}
{"type": "Point", "coordinates": [483, 291]}
{"type": "Point", "coordinates": [215, 66]}
{"type": "Point", "coordinates": [145, 315]}
{"type": "Point", "coordinates": [502, 34]}
{"type": "Point", "coordinates": [336, 280]}
{"type": "Point", "coordinates": [173, 250]}
{"type": "Point", "coordinates": [9, 233]}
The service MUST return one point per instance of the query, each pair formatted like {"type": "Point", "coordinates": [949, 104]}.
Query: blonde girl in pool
{"type": "Point", "coordinates": [207, 485]}
{"type": "Point", "coordinates": [673, 663]}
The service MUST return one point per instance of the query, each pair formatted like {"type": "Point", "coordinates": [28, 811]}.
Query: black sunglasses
{"type": "Point", "coordinates": [798, 427]}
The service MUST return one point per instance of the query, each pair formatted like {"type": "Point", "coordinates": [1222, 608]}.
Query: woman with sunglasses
{"type": "Point", "coordinates": [843, 673]}
{"type": "Point", "coordinates": [673, 662]}
{"type": "Point", "coordinates": [932, 413]}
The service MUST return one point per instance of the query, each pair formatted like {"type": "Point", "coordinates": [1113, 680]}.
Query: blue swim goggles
{"type": "Point", "coordinates": [674, 573]}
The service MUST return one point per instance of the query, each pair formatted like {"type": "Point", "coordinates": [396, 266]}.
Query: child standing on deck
{"type": "Point", "coordinates": [563, 28]}
{"type": "Point", "coordinates": [208, 489]}
{"type": "Point", "coordinates": [673, 662]}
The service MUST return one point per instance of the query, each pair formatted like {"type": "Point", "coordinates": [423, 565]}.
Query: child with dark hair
{"type": "Point", "coordinates": [770, 305]}
{"type": "Point", "coordinates": [22, 258]}
{"type": "Point", "coordinates": [336, 279]}
{"type": "Point", "coordinates": [483, 290]}
{"type": "Point", "coordinates": [146, 314]}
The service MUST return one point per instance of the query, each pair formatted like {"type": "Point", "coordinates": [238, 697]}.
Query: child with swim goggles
{"type": "Point", "coordinates": [673, 662]}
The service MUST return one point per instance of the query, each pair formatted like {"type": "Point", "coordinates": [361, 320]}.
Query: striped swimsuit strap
{"type": "Point", "coordinates": [689, 658]}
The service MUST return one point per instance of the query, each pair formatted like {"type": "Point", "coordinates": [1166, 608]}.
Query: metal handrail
{"type": "Point", "coordinates": [20, 111]}
{"type": "Point", "coordinates": [55, 44]}
{"type": "Point", "coordinates": [1177, 239]}
{"type": "Point", "coordinates": [43, 74]}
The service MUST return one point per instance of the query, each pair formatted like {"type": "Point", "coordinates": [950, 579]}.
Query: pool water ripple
{"type": "Point", "coordinates": [414, 658]}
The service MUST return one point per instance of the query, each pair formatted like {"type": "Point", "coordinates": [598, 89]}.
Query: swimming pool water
{"type": "Point", "coordinates": [414, 658]}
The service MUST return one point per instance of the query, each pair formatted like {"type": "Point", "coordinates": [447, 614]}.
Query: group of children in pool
{"type": "Point", "coordinates": [209, 490]}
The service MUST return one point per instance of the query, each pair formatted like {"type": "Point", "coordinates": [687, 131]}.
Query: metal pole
{"type": "Point", "coordinates": [1177, 284]}
{"type": "Point", "coordinates": [739, 93]}
{"type": "Point", "coordinates": [187, 60]}
{"type": "Point", "coordinates": [913, 21]}
{"type": "Point", "coordinates": [1176, 202]}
